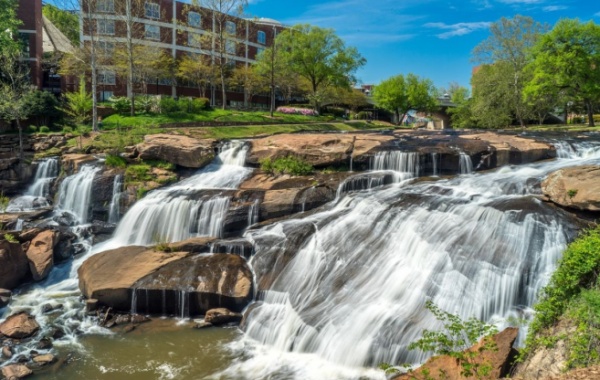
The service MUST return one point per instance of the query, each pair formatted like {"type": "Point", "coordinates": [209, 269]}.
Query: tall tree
{"type": "Point", "coordinates": [400, 94]}
{"type": "Point", "coordinates": [223, 35]}
{"type": "Point", "coordinates": [490, 104]}
{"type": "Point", "coordinates": [9, 25]}
{"type": "Point", "coordinates": [67, 22]}
{"type": "Point", "coordinates": [566, 60]}
{"type": "Point", "coordinates": [319, 56]}
{"type": "Point", "coordinates": [248, 78]}
{"type": "Point", "coordinates": [508, 50]}
{"type": "Point", "coordinates": [197, 69]}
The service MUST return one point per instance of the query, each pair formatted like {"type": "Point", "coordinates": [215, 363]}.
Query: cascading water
{"type": "Point", "coordinates": [36, 195]}
{"type": "Point", "coordinates": [465, 163]}
{"type": "Point", "coordinates": [434, 160]}
{"type": "Point", "coordinates": [358, 274]}
{"type": "Point", "coordinates": [185, 209]}
{"type": "Point", "coordinates": [254, 213]}
{"type": "Point", "coordinates": [114, 210]}
{"type": "Point", "coordinates": [76, 192]}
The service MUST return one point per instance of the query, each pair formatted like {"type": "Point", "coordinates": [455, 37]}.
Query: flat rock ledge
{"type": "Point", "coordinates": [183, 151]}
{"type": "Point", "coordinates": [575, 187]}
{"type": "Point", "coordinates": [144, 280]}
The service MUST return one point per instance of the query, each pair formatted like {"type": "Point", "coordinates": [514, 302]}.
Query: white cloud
{"type": "Point", "coordinates": [554, 8]}
{"type": "Point", "coordinates": [522, 1]}
{"type": "Point", "coordinates": [458, 29]}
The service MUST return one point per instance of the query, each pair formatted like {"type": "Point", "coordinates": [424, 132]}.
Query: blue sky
{"type": "Point", "coordinates": [430, 38]}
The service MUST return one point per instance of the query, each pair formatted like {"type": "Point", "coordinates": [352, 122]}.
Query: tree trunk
{"type": "Point", "coordinates": [590, 112]}
{"type": "Point", "coordinates": [130, 57]}
{"type": "Point", "coordinates": [398, 121]}
{"type": "Point", "coordinates": [94, 94]}
{"type": "Point", "coordinates": [223, 93]}
{"type": "Point", "coordinates": [20, 128]}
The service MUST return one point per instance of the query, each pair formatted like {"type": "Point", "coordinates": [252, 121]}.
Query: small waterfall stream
{"type": "Point", "coordinates": [114, 209]}
{"type": "Point", "coordinates": [36, 195]}
{"type": "Point", "coordinates": [75, 193]}
{"type": "Point", "coordinates": [465, 163]}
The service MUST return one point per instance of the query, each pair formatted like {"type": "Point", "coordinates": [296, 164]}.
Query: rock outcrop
{"type": "Point", "coordinates": [575, 187]}
{"type": "Point", "coordinates": [14, 175]}
{"type": "Point", "coordinates": [499, 359]}
{"type": "Point", "coordinates": [41, 254]}
{"type": "Point", "coordinates": [222, 316]}
{"type": "Point", "coordinates": [14, 266]}
{"type": "Point", "coordinates": [71, 163]}
{"type": "Point", "coordinates": [15, 371]}
{"type": "Point", "coordinates": [179, 150]}
{"type": "Point", "coordinates": [139, 279]}
{"type": "Point", "coordinates": [19, 326]}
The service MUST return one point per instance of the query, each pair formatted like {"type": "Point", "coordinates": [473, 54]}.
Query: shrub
{"type": "Point", "coordinates": [3, 202]}
{"type": "Point", "coordinates": [160, 164]}
{"type": "Point", "coordinates": [67, 129]}
{"type": "Point", "coordinates": [191, 105]}
{"type": "Point", "coordinates": [336, 111]}
{"type": "Point", "coordinates": [32, 128]}
{"type": "Point", "coordinates": [168, 105]}
{"type": "Point", "coordinates": [297, 111]}
{"type": "Point", "coordinates": [572, 192]}
{"type": "Point", "coordinates": [362, 115]}
{"type": "Point", "coordinates": [41, 106]}
{"type": "Point", "coordinates": [120, 104]}
{"type": "Point", "coordinates": [286, 165]}
{"type": "Point", "coordinates": [146, 104]}
{"type": "Point", "coordinates": [138, 173]}
{"type": "Point", "coordinates": [44, 129]}
{"type": "Point", "coordinates": [141, 192]}
{"type": "Point", "coordinates": [114, 161]}
{"type": "Point", "coordinates": [10, 238]}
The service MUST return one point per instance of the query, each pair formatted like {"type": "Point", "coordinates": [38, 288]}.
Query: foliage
{"type": "Point", "coordinates": [67, 22]}
{"type": "Point", "coordinates": [388, 368]}
{"type": "Point", "coordinates": [9, 27]}
{"type": "Point", "coordinates": [461, 115]}
{"type": "Point", "coordinates": [584, 343]}
{"type": "Point", "coordinates": [571, 193]}
{"type": "Point", "coordinates": [454, 340]}
{"type": "Point", "coordinates": [319, 56]}
{"type": "Point", "coordinates": [115, 161]}
{"type": "Point", "coordinates": [42, 106]}
{"type": "Point", "coordinates": [4, 200]}
{"type": "Point", "coordinates": [286, 165]}
{"type": "Point", "coordinates": [197, 69]}
{"type": "Point", "coordinates": [44, 129]}
{"type": "Point", "coordinates": [140, 192]}
{"type": "Point", "coordinates": [297, 111]}
{"type": "Point", "coordinates": [146, 103]}
{"type": "Point", "coordinates": [78, 105]}
{"type": "Point", "coordinates": [566, 61]}
{"type": "Point", "coordinates": [193, 105]}
{"type": "Point", "coordinates": [10, 238]}
{"type": "Point", "coordinates": [161, 244]}
{"type": "Point", "coordinates": [160, 164]}
{"type": "Point", "coordinates": [138, 173]}
{"type": "Point", "coordinates": [168, 105]}
{"type": "Point", "coordinates": [120, 104]}
{"type": "Point", "coordinates": [490, 105]}
{"type": "Point", "coordinates": [250, 79]}
{"type": "Point", "coordinates": [400, 94]}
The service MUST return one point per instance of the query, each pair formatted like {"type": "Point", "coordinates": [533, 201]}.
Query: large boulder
{"type": "Point", "coordinates": [179, 150]}
{"type": "Point", "coordinates": [139, 279]}
{"type": "Point", "coordinates": [71, 163]}
{"type": "Point", "coordinates": [14, 266]}
{"type": "Point", "coordinates": [41, 254]}
{"type": "Point", "coordinates": [500, 360]}
{"type": "Point", "coordinates": [575, 187]}
{"type": "Point", "coordinates": [15, 371]}
{"type": "Point", "coordinates": [19, 326]}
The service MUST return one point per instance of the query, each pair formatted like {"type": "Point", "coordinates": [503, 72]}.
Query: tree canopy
{"type": "Point", "coordinates": [67, 22]}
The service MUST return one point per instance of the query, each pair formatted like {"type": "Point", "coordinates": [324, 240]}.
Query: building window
{"type": "Point", "coordinates": [106, 95]}
{"type": "Point", "coordinates": [262, 37]}
{"type": "Point", "coordinates": [152, 32]}
{"type": "Point", "coordinates": [194, 19]}
{"type": "Point", "coordinates": [166, 82]}
{"type": "Point", "coordinates": [25, 45]}
{"type": "Point", "coordinates": [107, 77]}
{"type": "Point", "coordinates": [230, 28]}
{"type": "Point", "coordinates": [194, 39]}
{"type": "Point", "coordinates": [230, 47]}
{"type": "Point", "coordinates": [106, 27]}
{"type": "Point", "coordinates": [107, 6]}
{"type": "Point", "coordinates": [106, 48]}
{"type": "Point", "coordinates": [259, 50]}
{"type": "Point", "coordinates": [152, 10]}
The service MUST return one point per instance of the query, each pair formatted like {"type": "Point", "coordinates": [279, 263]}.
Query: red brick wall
{"type": "Point", "coordinates": [30, 13]}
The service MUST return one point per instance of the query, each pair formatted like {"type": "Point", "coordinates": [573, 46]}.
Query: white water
{"type": "Point", "coordinates": [181, 211]}
{"type": "Point", "coordinates": [354, 292]}
{"type": "Point", "coordinates": [254, 213]}
{"type": "Point", "coordinates": [36, 195]}
{"type": "Point", "coordinates": [75, 193]}
{"type": "Point", "coordinates": [465, 163]}
{"type": "Point", "coordinates": [114, 210]}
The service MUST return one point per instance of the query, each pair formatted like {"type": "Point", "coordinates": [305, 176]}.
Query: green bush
{"type": "Point", "coordinates": [286, 165]}
{"type": "Point", "coordinates": [191, 105]}
{"type": "Point", "coordinates": [138, 173]}
{"type": "Point", "coordinates": [44, 129]}
{"type": "Point", "coordinates": [335, 111]}
{"type": "Point", "coordinates": [120, 104]}
{"type": "Point", "coordinates": [41, 107]}
{"type": "Point", "coordinates": [160, 164]}
{"type": "Point", "coordinates": [32, 128]}
{"type": "Point", "coordinates": [114, 161]}
{"type": "Point", "coordinates": [10, 238]}
{"type": "Point", "coordinates": [67, 129]}
{"type": "Point", "coordinates": [146, 104]}
{"type": "Point", "coordinates": [168, 105]}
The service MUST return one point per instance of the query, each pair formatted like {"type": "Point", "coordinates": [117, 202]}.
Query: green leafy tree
{"type": "Point", "coordinates": [566, 60]}
{"type": "Point", "coordinates": [490, 105]}
{"type": "Point", "coordinates": [248, 78]}
{"type": "Point", "coordinates": [507, 51]}
{"type": "Point", "coordinates": [400, 94]}
{"type": "Point", "coordinates": [41, 106]}
{"type": "Point", "coordinates": [9, 25]}
{"type": "Point", "coordinates": [454, 340]}
{"type": "Point", "coordinates": [462, 114]}
{"type": "Point", "coordinates": [320, 57]}
{"type": "Point", "coordinates": [67, 22]}
{"type": "Point", "coordinates": [196, 69]}
{"type": "Point", "coordinates": [78, 105]}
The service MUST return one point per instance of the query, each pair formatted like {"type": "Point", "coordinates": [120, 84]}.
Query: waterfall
{"type": "Point", "coordinates": [76, 192]}
{"type": "Point", "coordinates": [36, 195]}
{"type": "Point", "coordinates": [114, 209]}
{"type": "Point", "coordinates": [465, 163]}
{"type": "Point", "coordinates": [254, 213]}
{"type": "Point", "coordinates": [434, 160]}
{"type": "Point", "coordinates": [185, 209]}
{"type": "Point", "coordinates": [357, 275]}
{"type": "Point", "coordinates": [405, 162]}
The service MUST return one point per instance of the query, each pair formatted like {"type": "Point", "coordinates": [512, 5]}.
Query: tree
{"type": "Point", "coordinates": [508, 50]}
{"type": "Point", "coordinates": [149, 64]}
{"type": "Point", "coordinates": [319, 56]}
{"type": "Point", "coordinates": [490, 104]}
{"type": "Point", "coordinates": [461, 115]}
{"type": "Point", "coordinates": [196, 69]}
{"type": "Point", "coordinates": [9, 25]}
{"type": "Point", "coordinates": [567, 60]}
{"type": "Point", "coordinates": [248, 78]}
{"type": "Point", "coordinates": [41, 107]}
{"type": "Point", "coordinates": [400, 94]}
{"type": "Point", "coordinates": [78, 104]}
{"type": "Point", "coordinates": [67, 22]}
{"type": "Point", "coordinates": [223, 35]}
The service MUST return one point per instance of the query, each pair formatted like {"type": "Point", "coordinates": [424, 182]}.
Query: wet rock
{"type": "Point", "coordinates": [203, 325]}
{"type": "Point", "coordinates": [5, 296]}
{"type": "Point", "coordinates": [137, 319]}
{"type": "Point", "coordinates": [7, 352]}
{"type": "Point", "coordinates": [65, 247]}
{"type": "Point", "coordinates": [14, 266]}
{"type": "Point", "coordinates": [122, 319]}
{"type": "Point", "coordinates": [56, 333]}
{"type": "Point", "coordinates": [179, 150]}
{"type": "Point", "coordinates": [41, 254]}
{"type": "Point", "coordinates": [21, 359]}
{"type": "Point", "coordinates": [19, 326]}
{"type": "Point", "coordinates": [129, 328]}
{"type": "Point", "coordinates": [575, 187]}
{"type": "Point", "coordinates": [71, 163]}
{"type": "Point", "coordinates": [91, 305]}
{"type": "Point", "coordinates": [44, 359]}
{"type": "Point", "coordinates": [222, 316]}
{"type": "Point", "coordinates": [16, 371]}
{"type": "Point", "coordinates": [44, 344]}
{"type": "Point", "coordinates": [500, 360]}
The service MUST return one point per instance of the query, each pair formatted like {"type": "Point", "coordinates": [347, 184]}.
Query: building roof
{"type": "Point", "coordinates": [53, 39]}
{"type": "Point", "coordinates": [266, 21]}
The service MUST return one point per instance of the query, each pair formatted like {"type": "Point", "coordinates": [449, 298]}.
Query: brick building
{"type": "Point", "coordinates": [176, 28]}
{"type": "Point", "coordinates": [31, 34]}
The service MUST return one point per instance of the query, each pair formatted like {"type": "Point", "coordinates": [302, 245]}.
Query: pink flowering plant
{"type": "Point", "coordinates": [297, 111]}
